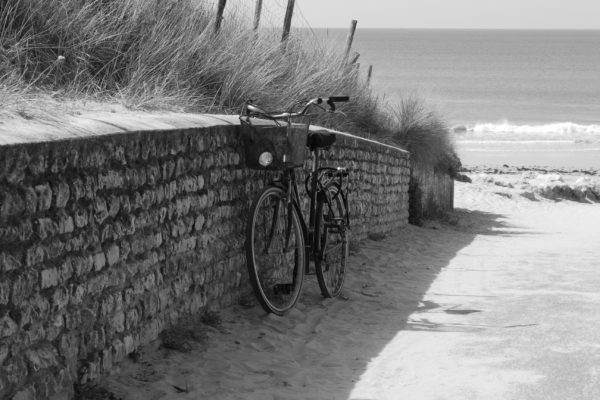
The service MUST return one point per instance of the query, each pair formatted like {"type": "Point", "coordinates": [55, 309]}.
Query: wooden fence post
{"type": "Point", "coordinates": [257, 11]}
{"type": "Point", "coordinates": [369, 74]}
{"type": "Point", "coordinates": [220, 9]}
{"type": "Point", "coordinates": [350, 36]}
{"type": "Point", "coordinates": [287, 21]}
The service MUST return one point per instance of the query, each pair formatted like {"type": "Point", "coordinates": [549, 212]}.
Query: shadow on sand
{"type": "Point", "coordinates": [410, 261]}
{"type": "Point", "coordinates": [324, 346]}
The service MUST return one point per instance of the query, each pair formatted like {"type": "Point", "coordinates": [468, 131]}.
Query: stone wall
{"type": "Point", "coordinates": [431, 192]}
{"type": "Point", "coordinates": [110, 232]}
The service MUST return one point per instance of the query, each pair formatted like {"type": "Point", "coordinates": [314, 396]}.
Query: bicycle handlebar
{"type": "Point", "coordinates": [250, 108]}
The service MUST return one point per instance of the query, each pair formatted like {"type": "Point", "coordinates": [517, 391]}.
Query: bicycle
{"type": "Point", "coordinates": [279, 243]}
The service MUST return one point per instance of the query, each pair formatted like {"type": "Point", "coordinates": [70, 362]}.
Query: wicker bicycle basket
{"type": "Point", "coordinates": [288, 148]}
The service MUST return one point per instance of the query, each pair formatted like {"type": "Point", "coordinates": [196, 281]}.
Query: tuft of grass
{"type": "Point", "coordinates": [212, 319]}
{"type": "Point", "coordinates": [184, 334]}
{"type": "Point", "coordinates": [375, 236]}
{"type": "Point", "coordinates": [58, 57]}
{"type": "Point", "coordinates": [94, 392]}
{"type": "Point", "coordinates": [415, 127]}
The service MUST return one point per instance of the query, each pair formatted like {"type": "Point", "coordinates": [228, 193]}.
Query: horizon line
{"type": "Point", "coordinates": [457, 29]}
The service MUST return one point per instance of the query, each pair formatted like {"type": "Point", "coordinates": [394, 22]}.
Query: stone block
{"type": "Point", "coordinates": [107, 360]}
{"type": "Point", "coordinates": [148, 149]}
{"type": "Point", "coordinates": [114, 205]}
{"type": "Point", "coordinates": [23, 286]}
{"type": "Point", "coordinates": [100, 210]}
{"type": "Point", "coordinates": [44, 196]}
{"type": "Point", "coordinates": [118, 322]}
{"type": "Point", "coordinates": [110, 179]}
{"type": "Point", "coordinates": [82, 265]}
{"type": "Point", "coordinates": [81, 218]}
{"type": "Point", "coordinates": [129, 344]}
{"type": "Point", "coordinates": [63, 394]}
{"type": "Point", "coordinates": [31, 200]}
{"type": "Point", "coordinates": [8, 327]}
{"type": "Point", "coordinates": [150, 331]}
{"type": "Point", "coordinates": [148, 198]}
{"type": "Point", "coordinates": [68, 346]}
{"type": "Point", "coordinates": [65, 270]}
{"type": "Point", "coordinates": [160, 194]}
{"type": "Point", "coordinates": [167, 169]}
{"type": "Point", "coordinates": [11, 203]}
{"type": "Point", "coordinates": [97, 284]}
{"type": "Point", "coordinates": [9, 262]}
{"type": "Point", "coordinates": [118, 350]}
{"type": "Point", "coordinates": [48, 278]}
{"type": "Point", "coordinates": [54, 327]}
{"type": "Point", "coordinates": [41, 357]}
{"type": "Point", "coordinates": [78, 293]}
{"type": "Point", "coordinates": [99, 261]}
{"type": "Point", "coordinates": [180, 166]}
{"type": "Point", "coordinates": [27, 393]}
{"type": "Point", "coordinates": [112, 255]}
{"type": "Point", "coordinates": [53, 248]}
{"type": "Point", "coordinates": [153, 175]}
{"type": "Point", "coordinates": [4, 293]}
{"type": "Point", "coordinates": [60, 298]}
{"type": "Point", "coordinates": [89, 371]}
{"type": "Point", "coordinates": [65, 224]}
{"type": "Point", "coordinates": [61, 192]}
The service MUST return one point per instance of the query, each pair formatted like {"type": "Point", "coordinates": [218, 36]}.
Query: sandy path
{"type": "Point", "coordinates": [504, 305]}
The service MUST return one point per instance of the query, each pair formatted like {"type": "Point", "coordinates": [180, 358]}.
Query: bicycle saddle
{"type": "Point", "coordinates": [317, 140]}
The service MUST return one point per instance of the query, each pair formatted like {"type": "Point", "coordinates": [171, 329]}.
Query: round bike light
{"type": "Point", "coordinates": [265, 159]}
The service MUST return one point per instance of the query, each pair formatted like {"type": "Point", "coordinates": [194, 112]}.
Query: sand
{"type": "Point", "coordinates": [500, 301]}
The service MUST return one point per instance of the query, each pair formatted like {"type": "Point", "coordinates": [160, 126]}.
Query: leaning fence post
{"type": "Point", "coordinates": [257, 11]}
{"type": "Point", "coordinates": [350, 36]}
{"type": "Point", "coordinates": [220, 9]}
{"type": "Point", "coordinates": [287, 21]}
{"type": "Point", "coordinates": [369, 73]}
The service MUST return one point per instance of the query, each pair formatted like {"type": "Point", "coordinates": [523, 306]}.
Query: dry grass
{"type": "Point", "coordinates": [60, 57]}
{"type": "Point", "coordinates": [416, 128]}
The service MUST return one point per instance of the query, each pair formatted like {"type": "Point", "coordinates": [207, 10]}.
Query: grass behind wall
{"type": "Point", "coordinates": [60, 57]}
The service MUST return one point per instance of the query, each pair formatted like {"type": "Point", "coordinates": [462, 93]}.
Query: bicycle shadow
{"type": "Point", "coordinates": [387, 283]}
{"type": "Point", "coordinates": [323, 348]}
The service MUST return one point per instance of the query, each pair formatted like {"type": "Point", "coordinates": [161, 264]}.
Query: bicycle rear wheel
{"type": "Point", "coordinates": [275, 251]}
{"type": "Point", "coordinates": [332, 228]}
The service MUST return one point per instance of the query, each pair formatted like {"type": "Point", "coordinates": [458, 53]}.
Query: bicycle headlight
{"type": "Point", "coordinates": [265, 159]}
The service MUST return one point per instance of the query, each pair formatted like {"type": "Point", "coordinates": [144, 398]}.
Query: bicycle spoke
{"type": "Point", "coordinates": [276, 269]}
{"type": "Point", "coordinates": [332, 230]}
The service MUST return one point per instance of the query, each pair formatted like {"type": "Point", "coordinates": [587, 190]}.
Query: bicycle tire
{"type": "Point", "coordinates": [275, 251]}
{"type": "Point", "coordinates": [332, 227]}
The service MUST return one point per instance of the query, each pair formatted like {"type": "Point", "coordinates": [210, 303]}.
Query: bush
{"type": "Point", "coordinates": [424, 134]}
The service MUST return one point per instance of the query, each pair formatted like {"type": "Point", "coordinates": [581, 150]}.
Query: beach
{"type": "Point", "coordinates": [497, 301]}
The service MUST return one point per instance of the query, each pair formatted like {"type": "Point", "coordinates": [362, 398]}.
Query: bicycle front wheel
{"type": "Point", "coordinates": [275, 251]}
{"type": "Point", "coordinates": [332, 228]}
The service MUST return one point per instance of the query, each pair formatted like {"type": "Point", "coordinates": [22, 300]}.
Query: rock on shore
{"type": "Point", "coordinates": [536, 182]}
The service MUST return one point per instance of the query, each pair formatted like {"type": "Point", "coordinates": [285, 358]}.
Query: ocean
{"type": "Point", "coordinates": [516, 97]}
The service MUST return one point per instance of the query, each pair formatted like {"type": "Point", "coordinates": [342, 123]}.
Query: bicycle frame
{"type": "Point", "coordinates": [289, 184]}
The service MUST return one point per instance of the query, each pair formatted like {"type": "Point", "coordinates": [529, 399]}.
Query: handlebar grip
{"type": "Point", "coordinates": [339, 98]}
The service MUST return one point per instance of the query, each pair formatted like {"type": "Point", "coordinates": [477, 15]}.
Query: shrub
{"type": "Point", "coordinates": [424, 133]}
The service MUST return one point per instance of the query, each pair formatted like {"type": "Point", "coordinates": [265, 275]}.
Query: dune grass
{"type": "Point", "coordinates": [65, 56]}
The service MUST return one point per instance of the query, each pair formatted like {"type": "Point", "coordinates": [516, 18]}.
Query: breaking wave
{"type": "Point", "coordinates": [568, 131]}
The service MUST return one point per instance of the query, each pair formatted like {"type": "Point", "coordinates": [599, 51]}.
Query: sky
{"type": "Point", "coordinates": [458, 14]}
